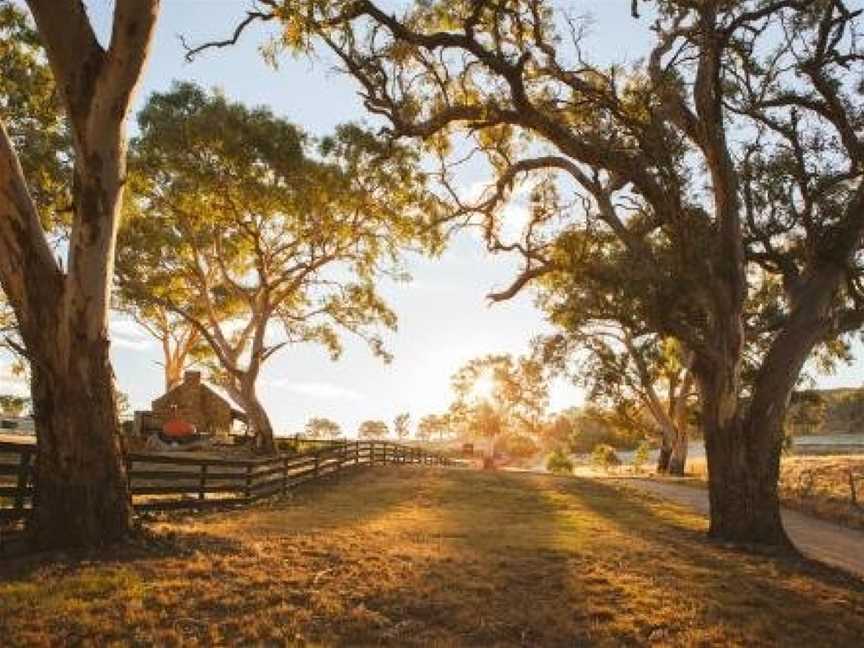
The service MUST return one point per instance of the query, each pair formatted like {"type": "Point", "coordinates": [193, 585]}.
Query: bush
{"type": "Point", "coordinates": [519, 446]}
{"type": "Point", "coordinates": [590, 435]}
{"type": "Point", "coordinates": [559, 463]}
{"type": "Point", "coordinates": [640, 456]}
{"type": "Point", "coordinates": [604, 456]}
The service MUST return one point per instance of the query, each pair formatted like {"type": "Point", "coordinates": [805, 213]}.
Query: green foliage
{"type": "Point", "coordinates": [373, 429]}
{"type": "Point", "coordinates": [559, 463]}
{"type": "Point", "coordinates": [520, 446]}
{"type": "Point", "coordinates": [579, 430]}
{"type": "Point", "coordinates": [13, 406]}
{"type": "Point", "coordinates": [228, 209]}
{"type": "Point", "coordinates": [604, 456]}
{"type": "Point", "coordinates": [33, 117]}
{"type": "Point", "coordinates": [641, 455]}
{"type": "Point", "coordinates": [322, 428]}
{"type": "Point", "coordinates": [240, 225]}
{"type": "Point", "coordinates": [826, 411]}
{"type": "Point", "coordinates": [124, 405]}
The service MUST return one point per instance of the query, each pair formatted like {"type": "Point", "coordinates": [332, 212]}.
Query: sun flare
{"type": "Point", "coordinates": [484, 388]}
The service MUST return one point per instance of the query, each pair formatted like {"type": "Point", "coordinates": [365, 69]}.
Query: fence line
{"type": "Point", "coordinates": [165, 482]}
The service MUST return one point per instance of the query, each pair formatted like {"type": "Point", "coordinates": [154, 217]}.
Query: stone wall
{"type": "Point", "coordinates": [197, 404]}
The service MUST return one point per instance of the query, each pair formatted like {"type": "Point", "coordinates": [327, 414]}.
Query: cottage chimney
{"type": "Point", "coordinates": [192, 378]}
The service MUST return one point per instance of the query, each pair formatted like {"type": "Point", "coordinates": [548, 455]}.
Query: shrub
{"type": "Point", "coordinates": [640, 456]}
{"type": "Point", "coordinates": [559, 463]}
{"type": "Point", "coordinates": [604, 456]}
{"type": "Point", "coordinates": [519, 446]}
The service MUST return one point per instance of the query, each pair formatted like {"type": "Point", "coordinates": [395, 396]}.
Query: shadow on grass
{"type": "Point", "coordinates": [735, 583]}
{"type": "Point", "coordinates": [307, 508]}
{"type": "Point", "coordinates": [546, 561]}
{"type": "Point", "coordinates": [425, 556]}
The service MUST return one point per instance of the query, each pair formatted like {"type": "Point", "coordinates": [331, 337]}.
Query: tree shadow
{"type": "Point", "coordinates": [311, 506]}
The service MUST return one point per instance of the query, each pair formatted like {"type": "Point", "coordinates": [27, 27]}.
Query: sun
{"type": "Point", "coordinates": [484, 388]}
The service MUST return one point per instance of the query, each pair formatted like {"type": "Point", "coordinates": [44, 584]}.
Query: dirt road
{"type": "Point", "coordinates": [824, 541]}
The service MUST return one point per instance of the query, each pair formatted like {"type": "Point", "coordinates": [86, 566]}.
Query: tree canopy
{"type": "Point", "coordinates": [497, 394]}
{"type": "Point", "coordinates": [322, 428]}
{"type": "Point", "coordinates": [373, 429]}
{"type": "Point", "coordinates": [238, 221]}
{"type": "Point", "coordinates": [726, 161]}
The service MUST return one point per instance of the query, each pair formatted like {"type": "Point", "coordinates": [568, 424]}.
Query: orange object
{"type": "Point", "coordinates": [176, 428]}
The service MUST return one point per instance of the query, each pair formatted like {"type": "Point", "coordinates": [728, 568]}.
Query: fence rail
{"type": "Point", "coordinates": [165, 482]}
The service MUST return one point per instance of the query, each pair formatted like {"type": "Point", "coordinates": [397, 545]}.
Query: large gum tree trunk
{"type": "Point", "coordinates": [744, 450]}
{"type": "Point", "coordinates": [81, 488]}
{"type": "Point", "coordinates": [258, 418]}
{"type": "Point", "coordinates": [742, 475]}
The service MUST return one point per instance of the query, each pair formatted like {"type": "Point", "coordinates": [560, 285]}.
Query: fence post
{"type": "Point", "coordinates": [317, 459]}
{"type": "Point", "coordinates": [23, 477]}
{"type": "Point", "coordinates": [371, 453]}
{"type": "Point", "coordinates": [248, 481]}
{"type": "Point", "coordinates": [385, 452]}
{"type": "Point", "coordinates": [356, 453]}
{"type": "Point", "coordinates": [284, 474]}
{"type": "Point", "coordinates": [202, 482]}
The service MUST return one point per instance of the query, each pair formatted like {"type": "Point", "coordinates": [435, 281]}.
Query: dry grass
{"type": "Point", "coordinates": [423, 556]}
{"type": "Point", "coordinates": [819, 485]}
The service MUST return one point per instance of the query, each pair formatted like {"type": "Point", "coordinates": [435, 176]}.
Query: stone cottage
{"type": "Point", "coordinates": [199, 404]}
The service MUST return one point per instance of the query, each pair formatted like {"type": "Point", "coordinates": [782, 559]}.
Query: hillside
{"type": "Point", "coordinates": [827, 411]}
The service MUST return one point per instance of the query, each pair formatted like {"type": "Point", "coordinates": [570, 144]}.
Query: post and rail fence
{"type": "Point", "coordinates": [159, 482]}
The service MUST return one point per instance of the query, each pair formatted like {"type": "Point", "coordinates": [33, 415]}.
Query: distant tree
{"type": "Point", "coordinates": [495, 394]}
{"type": "Point", "coordinates": [374, 429]}
{"type": "Point", "coordinates": [322, 428]}
{"type": "Point", "coordinates": [434, 425]}
{"type": "Point", "coordinates": [807, 412]}
{"type": "Point", "coordinates": [643, 380]}
{"type": "Point", "coordinates": [604, 456]}
{"type": "Point", "coordinates": [401, 426]}
{"type": "Point", "coordinates": [236, 225]}
{"type": "Point", "coordinates": [12, 405]}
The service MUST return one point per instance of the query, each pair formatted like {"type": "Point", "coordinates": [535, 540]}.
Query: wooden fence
{"type": "Point", "coordinates": [174, 481]}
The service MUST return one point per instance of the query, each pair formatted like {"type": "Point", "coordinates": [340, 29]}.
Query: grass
{"type": "Point", "coordinates": [818, 485]}
{"type": "Point", "coordinates": [423, 556]}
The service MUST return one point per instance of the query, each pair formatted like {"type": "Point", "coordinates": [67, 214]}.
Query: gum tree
{"type": "Point", "coordinates": [593, 298]}
{"type": "Point", "coordinates": [322, 428]}
{"type": "Point", "coordinates": [737, 142]}
{"type": "Point", "coordinates": [497, 395]}
{"type": "Point", "coordinates": [259, 242]}
{"type": "Point", "coordinates": [61, 308]}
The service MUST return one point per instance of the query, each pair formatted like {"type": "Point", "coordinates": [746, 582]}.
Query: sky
{"type": "Point", "coordinates": [444, 317]}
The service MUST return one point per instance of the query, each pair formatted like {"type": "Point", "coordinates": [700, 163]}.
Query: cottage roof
{"type": "Point", "coordinates": [193, 380]}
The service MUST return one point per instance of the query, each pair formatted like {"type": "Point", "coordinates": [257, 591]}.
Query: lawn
{"type": "Point", "coordinates": [428, 556]}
